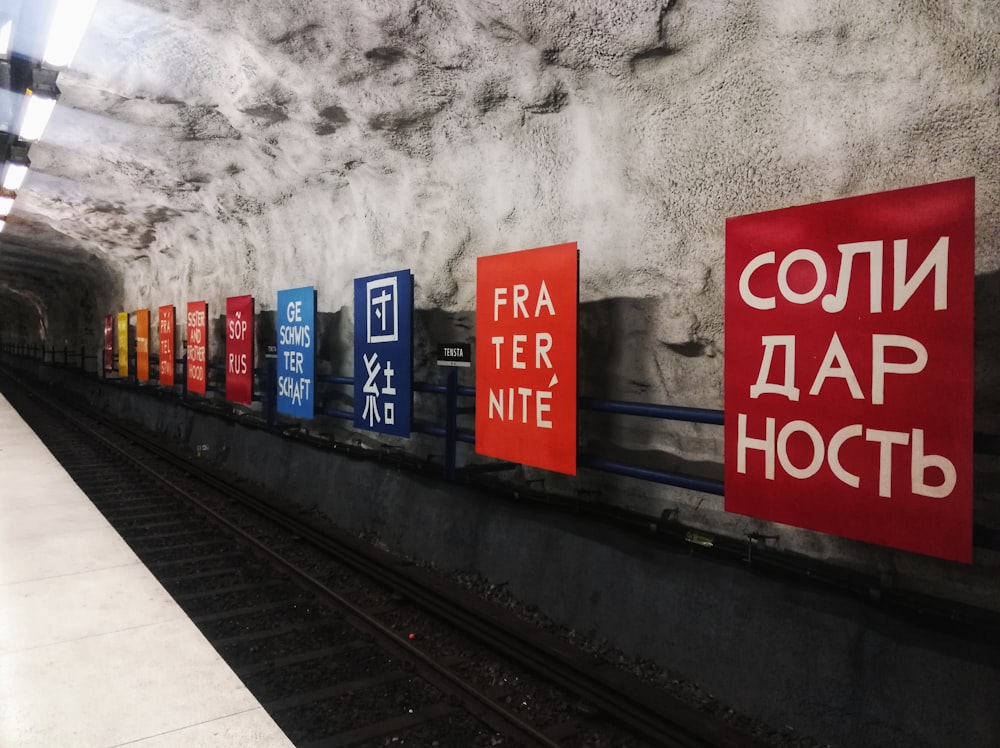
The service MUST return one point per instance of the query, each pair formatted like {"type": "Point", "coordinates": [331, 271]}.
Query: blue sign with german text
{"type": "Point", "coordinates": [383, 352]}
{"type": "Point", "coordinates": [296, 327]}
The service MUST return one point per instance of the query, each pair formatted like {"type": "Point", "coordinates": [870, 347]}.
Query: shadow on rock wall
{"type": "Point", "coordinates": [987, 407]}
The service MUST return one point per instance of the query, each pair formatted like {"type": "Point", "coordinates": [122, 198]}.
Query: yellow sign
{"type": "Point", "coordinates": [123, 344]}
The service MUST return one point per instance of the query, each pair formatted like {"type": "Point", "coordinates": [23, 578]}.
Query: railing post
{"type": "Point", "coordinates": [65, 355]}
{"type": "Point", "coordinates": [83, 358]}
{"type": "Point", "coordinates": [271, 385]}
{"type": "Point", "coordinates": [451, 424]}
{"type": "Point", "coordinates": [184, 377]}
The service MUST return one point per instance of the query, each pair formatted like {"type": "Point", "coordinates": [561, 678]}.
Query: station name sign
{"type": "Point", "coordinates": [526, 318]}
{"type": "Point", "coordinates": [454, 354]}
{"type": "Point", "coordinates": [849, 367]}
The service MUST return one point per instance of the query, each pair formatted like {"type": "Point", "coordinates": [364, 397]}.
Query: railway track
{"type": "Point", "coordinates": [341, 643]}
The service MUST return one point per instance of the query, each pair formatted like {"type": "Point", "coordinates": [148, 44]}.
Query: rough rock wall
{"type": "Point", "coordinates": [243, 146]}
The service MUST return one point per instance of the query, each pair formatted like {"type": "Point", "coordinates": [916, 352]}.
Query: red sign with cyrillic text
{"type": "Point", "coordinates": [166, 341]}
{"type": "Point", "coordinates": [849, 367]}
{"type": "Point", "coordinates": [197, 346]}
{"type": "Point", "coordinates": [526, 313]}
{"type": "Point", "coordinates": [239, 349]}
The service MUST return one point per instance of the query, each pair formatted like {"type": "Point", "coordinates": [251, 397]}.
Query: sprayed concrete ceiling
{"type": "Point", "coordinates": [206, 148]}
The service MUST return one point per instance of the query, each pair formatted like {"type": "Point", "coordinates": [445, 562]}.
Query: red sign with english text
{"type": "Point", "coordinates": [849, 367]}
{"type": "Point", "coordinates": [197, 346]}
{"type": "Point", "coordinates": [526, 322]}
{"type": "Point", "coordinates": [239, 349]}
{"type": "Point", "coordinates": [165, 329]}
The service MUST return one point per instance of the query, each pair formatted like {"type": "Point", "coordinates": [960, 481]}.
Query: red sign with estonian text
{"type": "Point", "coordinates": [197, 346]}
{"type": "Point", "coordinates": [109, 342]}
{"type": "Point", "coordinates": [166, 341]}
{"type": "Point", "coordinates": [142, 345]}
{"type": "Point", "coordinates": [526, 312]}
{"type": "Point", "coordinates": [849, 367]}
{"type": "Point", "coordinates": [239, 349]}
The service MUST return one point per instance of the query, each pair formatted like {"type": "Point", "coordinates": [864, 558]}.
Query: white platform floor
{"type": "Point", "coordinates": [93, 651]}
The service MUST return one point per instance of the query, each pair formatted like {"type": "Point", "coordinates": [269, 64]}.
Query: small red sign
{"type": "Point", "coordinates": [526, 313]}
{"type": "Point", "coordinates": [239, 349]}
{"type": "Point", "coordinates": [197, 346]}
{"type": "Point", "coordinates": [166, 340]}
{"type": "Point", "coordinates": [849, 367]}
{"type": "Point", "coordinates": [109, 342]}
{"type": "Point", "coordinates": [142, 345]}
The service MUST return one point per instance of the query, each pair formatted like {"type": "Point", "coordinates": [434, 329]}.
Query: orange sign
{"type": "Point", "coordinates": [526, 311]}
{"type": "Point", "coordinates": [142, 345]}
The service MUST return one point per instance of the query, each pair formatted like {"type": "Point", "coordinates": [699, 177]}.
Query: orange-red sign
{"type": "Point", "coordinates": [197, 346]}
{"type": "Point", "coordinates": [526, 311]}
{"type": "Point", "coordinates": [849, 367]}
{"type": "Point", "coordinates": [142, 345]}
{"type": "Point", "coordinates": [166, 339]}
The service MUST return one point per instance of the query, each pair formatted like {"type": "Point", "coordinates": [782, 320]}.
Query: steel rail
{"type": "Point", "coordinates": [661, 719]}
{"type": "Point", "coordinates": [477, 703]}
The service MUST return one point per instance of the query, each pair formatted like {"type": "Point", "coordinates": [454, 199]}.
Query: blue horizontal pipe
{"type": "Point", "coordinates": [426, 428]}
{"type": "Point", "coordinates": [437, 389]}
{"type": "Point", "coordinates": [704, 485]}
{"type": "Point", "coordinates": [648, 410]}
{"type": "Point", "coordinates": [335, 380]}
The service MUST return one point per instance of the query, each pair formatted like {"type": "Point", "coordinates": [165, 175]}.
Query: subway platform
{"type": "Point", "coordinates": [93, 651]}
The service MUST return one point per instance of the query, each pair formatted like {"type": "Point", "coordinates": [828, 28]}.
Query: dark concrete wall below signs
{"type": "Point", "coordinates": [836, 669]}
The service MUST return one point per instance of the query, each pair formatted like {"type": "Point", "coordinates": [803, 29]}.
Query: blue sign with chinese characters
{"type": "Point", "coordinates": [296, 326]}
{"type": "Point", "coordinates": [383, 352]}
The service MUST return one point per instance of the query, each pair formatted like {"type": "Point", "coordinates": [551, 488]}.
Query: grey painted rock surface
{"type": "Point", "coordinates": [207, 149]}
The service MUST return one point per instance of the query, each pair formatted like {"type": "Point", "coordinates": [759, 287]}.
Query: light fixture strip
{"type": "Point", "coordinates": [69, 23]}
{"type": "Point", "coordinates": [36, 114]}
{"type": "Point", "coordinates": [13, 176]}
{"type": "Point", "coordinates": [6, 205]}
{"type": "Point", "coordinates": [5, 30]}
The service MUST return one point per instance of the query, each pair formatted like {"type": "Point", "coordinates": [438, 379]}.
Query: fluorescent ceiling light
{"type": "Point", "coordinates": [3, 225]}
{"type": "Point", "coordinates": [6, 204]}
{"type": "Point", "coordinates": [34, 118]}
{"type": "Point", "coordinates": [13, 176]}
{"type": "Point", "coordinates": [5, 37]}
{"type": "Point", "coordinates": [69, 23]}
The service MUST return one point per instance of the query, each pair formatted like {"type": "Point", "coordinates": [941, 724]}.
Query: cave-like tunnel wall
{"type": "Point", "coordinates": [203, 150]}
{"type": "Point", "coordinates": [52, 291]}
